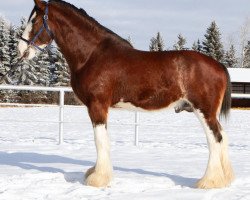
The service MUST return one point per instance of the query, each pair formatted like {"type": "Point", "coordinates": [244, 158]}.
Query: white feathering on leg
{"type": "Point", "coordinates": [214, 176]}
{"type": "Point", "coordinates": [101, 175]}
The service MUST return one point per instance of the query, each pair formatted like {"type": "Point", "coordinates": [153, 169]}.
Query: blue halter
{"type": "Point", "coordinates": [44, 26]}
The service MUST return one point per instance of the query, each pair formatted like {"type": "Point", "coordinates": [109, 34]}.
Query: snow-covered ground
{"type": "Point", "coordinates": [169, 160]}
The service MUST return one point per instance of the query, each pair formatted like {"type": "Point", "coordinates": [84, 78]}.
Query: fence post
{"type": "Point", "coordinates": [137, 118]}
{"type": "Point", "coordinates": [61, 116]}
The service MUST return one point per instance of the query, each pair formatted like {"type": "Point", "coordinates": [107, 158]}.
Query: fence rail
{"type": "Point", "coordinates": [61, 91]}
{"type": "Point", "coordinates": [246, 96]}
{"type": "Point", "coordinates": [61, 106]}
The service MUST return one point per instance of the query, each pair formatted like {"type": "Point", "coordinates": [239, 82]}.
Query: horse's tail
{"type": "Point", "coordinates": [226, 104]}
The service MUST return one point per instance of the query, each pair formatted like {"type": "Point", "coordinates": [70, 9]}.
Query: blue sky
{"type": "Point", "coordinates": [141, 19]}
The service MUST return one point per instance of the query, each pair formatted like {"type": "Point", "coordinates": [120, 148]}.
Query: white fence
{"type": "Point", "coordinates": [61, 105]}
{"type": "Point", "coordinates": [61, 91]}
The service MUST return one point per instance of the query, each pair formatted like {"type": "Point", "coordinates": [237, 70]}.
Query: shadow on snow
{"type": "Point", "coordinates": [24, 161]}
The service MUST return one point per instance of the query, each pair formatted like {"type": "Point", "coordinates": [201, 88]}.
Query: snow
{"type": "Point", "coordinates": [170, 158]}
{"type": "Point", "coordinates": [239, 75]}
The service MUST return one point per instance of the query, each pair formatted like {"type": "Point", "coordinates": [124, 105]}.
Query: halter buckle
{"type": "Point", "coordinates": [45, 17]}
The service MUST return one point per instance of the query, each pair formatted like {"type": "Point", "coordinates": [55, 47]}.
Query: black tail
{"type": "Point", "coordinates": [227, 100]}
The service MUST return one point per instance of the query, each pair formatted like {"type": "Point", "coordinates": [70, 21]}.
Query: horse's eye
{"type": "Point", "coordinates": [33, 21]}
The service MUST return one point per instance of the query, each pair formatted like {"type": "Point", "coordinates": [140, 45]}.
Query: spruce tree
{"type": "Point", "coordinates": [62, 75]}
{"type": "Point", "coordinates": [212, 45]}
{"type": "Point", "coordinates": [43, 69]}
{"type": "Point", "coordinates": [230, 57]}
{"type": "Point", "coordinates": [4, 50]}
{"type": "Point", "coordinates": [130, 41]}
{"type": "Point", "coordinates": [22, 26]}
{"type": "Point", "coordinates": [157, 43]}
{"type": "Point", "coordinates": [246, 60]}
{"type": "Point", "coordinates": [180, 44]}
{"type": "Point", "coordinates": [13, 56]}
{"type": "Point", "coordinates": [27, 74]}
{"type": "Point", "coordinates": [13, 41]}
{"type": "Point", "coordinates": [197, 46]}
{"type": "Point", "coordinates": [41, 74]}
{"type": "Point", "coordinates": [5, 95]}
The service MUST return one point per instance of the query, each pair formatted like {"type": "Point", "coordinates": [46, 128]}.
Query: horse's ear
{"type": "Point", "coordinates": [39, 4]}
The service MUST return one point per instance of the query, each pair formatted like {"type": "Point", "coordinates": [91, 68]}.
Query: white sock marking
{"type": "Point", "coordinates": [103, 163]}
{"type": "Point", "coordinates": [214, 167]}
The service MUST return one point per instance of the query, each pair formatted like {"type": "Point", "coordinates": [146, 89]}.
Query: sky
{"type": "Point", "coordinates": [142, 19]}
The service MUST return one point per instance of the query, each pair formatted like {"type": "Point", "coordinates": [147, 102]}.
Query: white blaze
{"type": "Point", "coordinates": [22, 45]}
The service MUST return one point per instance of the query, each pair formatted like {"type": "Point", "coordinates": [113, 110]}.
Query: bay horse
{"type": "Point", "coordinates": [107, 72]}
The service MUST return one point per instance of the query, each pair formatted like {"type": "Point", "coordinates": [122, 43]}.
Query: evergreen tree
{"type": "Point", "coordinates": [156, 43]}
{"type": "Point", "coordinates": [5, 95]}
{"type": "Point", "coordinates": [38, 72]}
{"type": "Point", "coordinates": [212, 45]}
{"type": "Point", "coordinates": [4, 50]}
{"type": "Point", "coordinates": [62, 75]}
{"type": "Point", "coordinates": [230, 57]}
{"type": "Point", "coordinates": [13, 56]}
{"type": "Point", "coordinates": [197, 46]}
{"type": "Point", "coordinates": [246, 60]}
{"type": "Point", "coordinates": [27, 74]}
{"type": "Point", "coordinates": [130, 41]}
{"type": "Point", "coordinates": [13, 41]}
{"type": "Point", "coordinates": [43, 72]}
{"type": "Point", "coordinates": [22, 26]}
{"type": "Point", "coordinates": [180, 44]}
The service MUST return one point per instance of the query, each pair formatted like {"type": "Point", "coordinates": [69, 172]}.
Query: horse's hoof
{"type": "Point", "coordinates": [211, 183]}
{"type": "Point", "coordinates": [98, 180]}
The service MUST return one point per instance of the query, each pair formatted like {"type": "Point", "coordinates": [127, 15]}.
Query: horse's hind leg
{"type": "Point", "coordinates": [219, 172]}
{"type": "Point", "coordinates": [101, 174]}
{"type": "Point", "coordinates": [226, 164]}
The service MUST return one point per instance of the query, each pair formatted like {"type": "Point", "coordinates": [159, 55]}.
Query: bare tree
{"type": "Point", "coordinates": [244, 37]}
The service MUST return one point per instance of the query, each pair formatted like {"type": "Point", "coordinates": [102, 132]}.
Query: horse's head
{"type": "Point", "coordinates": [37, 34]}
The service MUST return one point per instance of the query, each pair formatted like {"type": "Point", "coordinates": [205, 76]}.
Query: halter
{"type": "Point", "coordinates": [44, 26]}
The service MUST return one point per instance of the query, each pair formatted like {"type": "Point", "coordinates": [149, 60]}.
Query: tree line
{"type": "Point", "coordinates": [211, 45]}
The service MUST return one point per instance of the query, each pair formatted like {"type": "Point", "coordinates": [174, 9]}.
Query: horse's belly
{"type": "Point", "coordinates": [128, 106]}
{"type": "Point", "coordinates": [144, 108]}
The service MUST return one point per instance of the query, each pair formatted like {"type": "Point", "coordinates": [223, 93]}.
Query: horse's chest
{"type": "Point", "coordinates": [79, 89]}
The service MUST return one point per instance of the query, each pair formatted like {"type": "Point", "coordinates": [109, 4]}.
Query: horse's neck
{"type": "Point", "coordinates": [76, 36]}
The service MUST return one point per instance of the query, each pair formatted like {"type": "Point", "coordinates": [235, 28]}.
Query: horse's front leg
{"type": "Point", "coordinates": [101, 174]}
